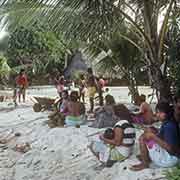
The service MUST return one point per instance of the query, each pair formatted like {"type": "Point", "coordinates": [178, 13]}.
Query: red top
{"type": "Point", "coordinates": [22, 80]}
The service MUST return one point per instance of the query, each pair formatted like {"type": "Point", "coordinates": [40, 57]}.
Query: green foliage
{"type": "Point", "coordinates": [94, 22]}
{"type": "Point", "coordinates": [173, 174]}
{"type": "Point", "coordinates": [4, 70]}
{"type": "Point", "coordinates": [122, 59]}
{"type": "Point", "coordinates": [36, 47]}
{"type": "Point", "coordinates": [4, 67]}
{"type": "Point", "coordinates": [173, 52]}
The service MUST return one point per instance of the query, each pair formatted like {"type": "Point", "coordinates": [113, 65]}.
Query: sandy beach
{"type": "Point", "coordinates": [58, 153]}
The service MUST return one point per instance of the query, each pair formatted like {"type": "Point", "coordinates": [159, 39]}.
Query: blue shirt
{"type": "Point", "coordinates": [169, 132]}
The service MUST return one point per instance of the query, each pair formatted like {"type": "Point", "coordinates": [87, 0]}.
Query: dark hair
{"type": "Point", "coordinates": [89, 70]}
{"type": "Point", "coordinates": [82, 76]}
{"type": "Point", "coordinates": [109, 133]}
{"type": "Point", "coordinates": [143, 97]}
{"type": "Point", "coordinates": [74, 96]}
{"type": "Point", "coordinates": [66, 92]}
{"type": "Point", "coordinates": [122, 112]}
{"type": "Point", "coordinates": [109, 100]}
{"type": "Point", "coordinates": [163, 107]}
{"type": "Point", "coordinates": [21, 71]}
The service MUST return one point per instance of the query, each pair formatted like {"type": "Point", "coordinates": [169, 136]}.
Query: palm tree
{"type": "Point", "coordinates": [118, 63]}
{"type": "Point", "coordinates": [92, 20]}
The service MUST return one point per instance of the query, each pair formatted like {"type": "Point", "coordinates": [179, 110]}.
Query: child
{"type": "Point", "coordinates": [145, 114]}
{"type": "Point", "coordinates": [60, 85]}
{"type": "Point", "coordinates": [65, 99]}
{"type": "Point", "coordinates": [73, 107]}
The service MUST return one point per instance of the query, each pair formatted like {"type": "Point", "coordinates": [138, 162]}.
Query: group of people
{"type": "Point", "coordinates": [160, 146]}
{"type": "Point", "coordinates": [88, 82]}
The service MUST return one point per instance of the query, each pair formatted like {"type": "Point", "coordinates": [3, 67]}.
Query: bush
{"type": "Point", "coordinates": [174, 173]}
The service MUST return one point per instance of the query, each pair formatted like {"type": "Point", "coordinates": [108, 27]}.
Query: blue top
{"type": "Point", "coordinates": [170, 133]}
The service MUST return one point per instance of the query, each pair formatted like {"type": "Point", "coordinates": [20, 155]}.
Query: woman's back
{"type": "Point", "coordinates": [128, 132]}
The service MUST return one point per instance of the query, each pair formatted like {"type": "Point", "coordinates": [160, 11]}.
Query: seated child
{"type": "Point", "coordinates": [150, 142]}
{"type": "Point", "coordinates": [145, 114]}
{"type": "Point", "coordinates": [73, 107]}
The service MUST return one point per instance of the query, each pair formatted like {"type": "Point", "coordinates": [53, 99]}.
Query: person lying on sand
{"type": "Point", "coordinates": [115, 146]}
{"type": "Point", "coordinates": [162, 148]}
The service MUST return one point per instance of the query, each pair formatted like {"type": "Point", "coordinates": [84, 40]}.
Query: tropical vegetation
{"type": "Point", "coordinates": [98, 26]}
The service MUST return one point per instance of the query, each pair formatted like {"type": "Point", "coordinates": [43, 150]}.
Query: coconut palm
{"type": "Point", "coordinates": [92, 20]}
{"type": "Point", "coordinates": [118, 63]}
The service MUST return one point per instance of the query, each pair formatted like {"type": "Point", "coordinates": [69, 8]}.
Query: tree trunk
{"type": "Point", "coordinates": [133, 89]}
{"type": "Point", "coordinates": [160, 83]}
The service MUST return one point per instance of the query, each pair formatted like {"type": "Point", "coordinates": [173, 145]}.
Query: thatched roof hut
{"type": "Point", "coordinates": [75, 64]}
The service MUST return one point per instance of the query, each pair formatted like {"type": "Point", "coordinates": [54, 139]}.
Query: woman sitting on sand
{"type": "Point", "coordinates": [104, 116]}
{"type": "Point", "coordinates": [145, 114]}
{"type": "Point", "coordinates": [115, 146]}
{"type": "Point", "coordinates": [161, 148]}
{"type": "Point", "coordinates": [74, 110]}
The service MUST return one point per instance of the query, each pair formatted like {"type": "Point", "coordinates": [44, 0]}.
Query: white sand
{"type": "Point", "coordinates": [56, 154]}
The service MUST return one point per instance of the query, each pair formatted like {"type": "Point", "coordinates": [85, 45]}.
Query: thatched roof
{"type": "Point", "coordinates": [75, 64]}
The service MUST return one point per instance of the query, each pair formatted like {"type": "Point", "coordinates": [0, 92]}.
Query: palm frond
{"type": "Point", "coordinates": [164, 29]}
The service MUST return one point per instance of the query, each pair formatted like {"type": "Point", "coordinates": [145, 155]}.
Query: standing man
{"type": "Point", "coordinates": [22, 84]}
{"type": "Point", "coordinates": [101, 84]}
{"type": "Point", "coordinates": [92, 87]}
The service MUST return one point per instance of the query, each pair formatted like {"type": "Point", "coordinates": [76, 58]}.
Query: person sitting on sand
{"type": "Point", "coordinates": [145, 114]}
{"type": "Point", "coordinates": [117, 147]}
{"type": "Point", "coordinates": [104, 116]}
{"type": "Point", "coordinates": [162, 148]}
{"type": "Point", "coordinates": [73, 108]}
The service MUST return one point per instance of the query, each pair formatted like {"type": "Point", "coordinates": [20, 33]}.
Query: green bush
{"type": "Point", "coordinates": [174, 173]}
